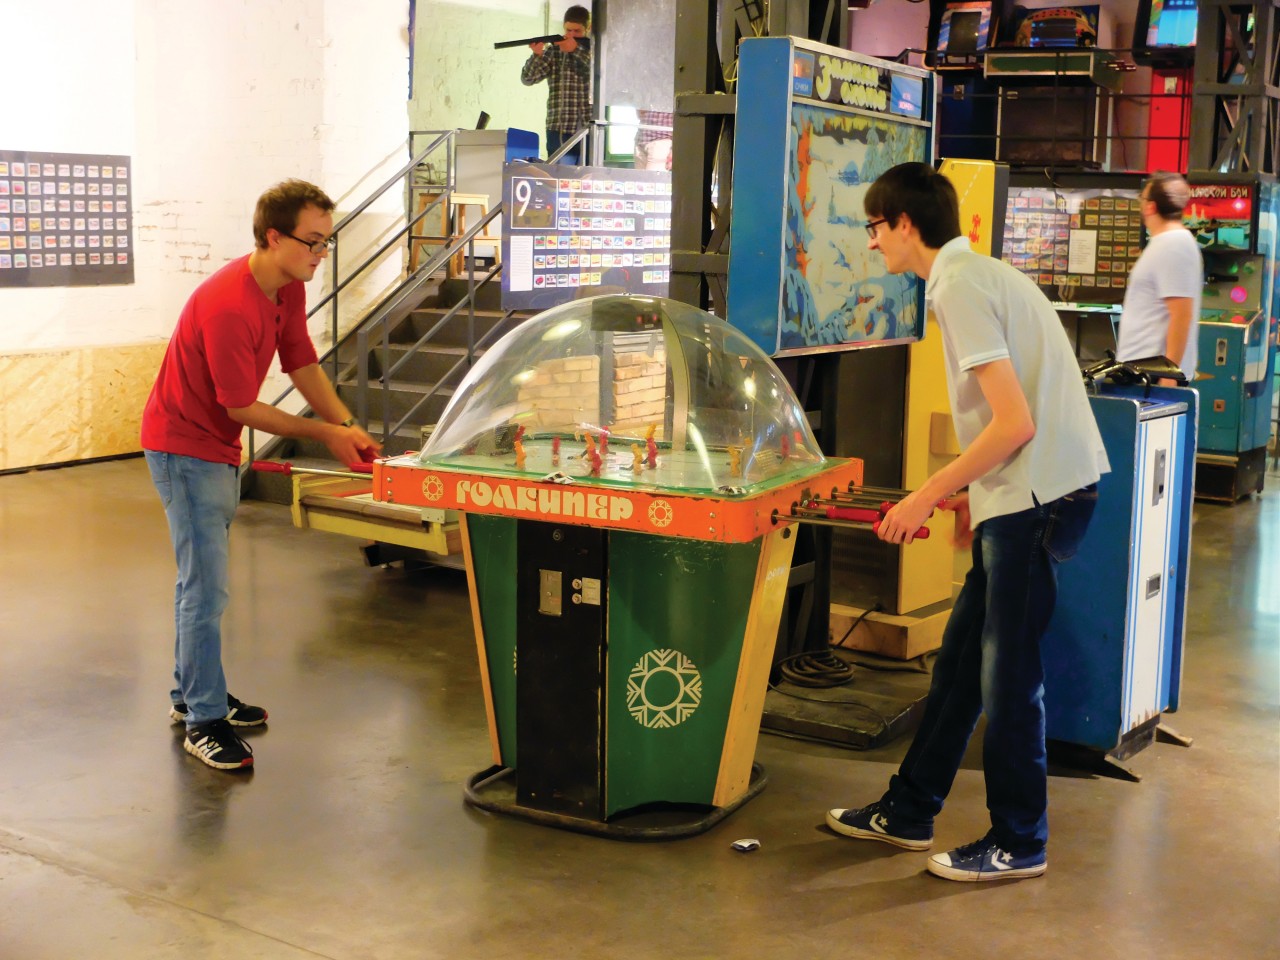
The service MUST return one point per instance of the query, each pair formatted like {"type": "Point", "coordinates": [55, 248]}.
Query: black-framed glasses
{"type": "Point", "coordinates": [317, 246]}
{"type": "Point", "coordinates": [872, 224]}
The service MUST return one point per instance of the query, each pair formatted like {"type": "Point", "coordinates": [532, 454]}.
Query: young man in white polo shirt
{"type": "Point", "coordinates": [1031, 459]}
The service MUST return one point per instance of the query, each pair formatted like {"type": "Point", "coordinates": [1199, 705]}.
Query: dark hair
{"type": "Point", "coordinates": [923, 194]}
{"type": "Point", "coordinates": [577, 14]}
{"type": "Point", "coordinates": [279, 207]}
{"type": "Point", "coordinates": [1169, 192]}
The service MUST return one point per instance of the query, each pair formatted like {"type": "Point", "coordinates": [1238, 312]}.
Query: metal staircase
{"type": "Point", "coordinates": [400, 363]}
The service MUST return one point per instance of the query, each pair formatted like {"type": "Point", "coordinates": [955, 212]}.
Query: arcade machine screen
{"type": "Point", "coordinates": [964, 29]}
{"type": "Point", "coordinates": [816, 126]}
{"type": "Point", "coordinates": [1058, 28]}
{"type": "Point", "coordinates": [1165, 32]}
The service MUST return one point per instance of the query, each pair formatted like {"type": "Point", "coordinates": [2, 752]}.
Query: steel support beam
{"type": "Point", "coordinates": [707, 37]}
{"type": "Point", "coordinates": [1234, 95]}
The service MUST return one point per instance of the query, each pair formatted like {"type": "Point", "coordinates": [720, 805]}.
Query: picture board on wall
{"type": "Point", "coordinates": [66, 219]}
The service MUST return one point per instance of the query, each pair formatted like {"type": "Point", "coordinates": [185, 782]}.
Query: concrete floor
{"type": "Point", "coordinates": [350, 839]}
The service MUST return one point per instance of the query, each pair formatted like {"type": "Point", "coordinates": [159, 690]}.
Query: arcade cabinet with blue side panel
{"type": "Point", "coordinates": [816, 126]}
{"type": "Point", "coordinates": [1234, 220]}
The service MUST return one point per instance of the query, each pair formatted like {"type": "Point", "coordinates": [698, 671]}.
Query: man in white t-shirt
{"type": "Point", "coordinates": [1161, 315]}
{"type": "Point", "coordinates": [1031, 459]}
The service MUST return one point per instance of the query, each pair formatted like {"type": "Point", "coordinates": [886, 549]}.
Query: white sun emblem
{"type": "Point", "coordinates": [664, 688]}
{"type": "Point", "coordinates": [660, 513]}
{"type": "Point", "coordinates": [432, 488]}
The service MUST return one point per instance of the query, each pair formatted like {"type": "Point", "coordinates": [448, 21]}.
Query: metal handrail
{"type": "Point", "coordinates": [336, 285]}
{"type": "Point", "coordinates": [332, 297]}
{"type": "Point", "coordinates": [377, 321]}
{"type": "Point", "coordinates": [380, 323]}
{"type": "Point", "coordinates": [370, 328]}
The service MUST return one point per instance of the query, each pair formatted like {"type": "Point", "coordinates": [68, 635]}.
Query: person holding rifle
{"type": "Point", "coordinates": [566, 66]}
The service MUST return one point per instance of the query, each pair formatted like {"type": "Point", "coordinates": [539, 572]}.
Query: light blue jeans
{"type": "Point", "coordinates": [200, 500]}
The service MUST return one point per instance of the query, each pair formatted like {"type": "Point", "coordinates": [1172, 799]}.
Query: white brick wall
{"type": "Point", "coordinates": [214, 100]}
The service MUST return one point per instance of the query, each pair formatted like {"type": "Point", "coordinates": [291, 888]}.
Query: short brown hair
{"type": "Point", "coordinates": [279, 207]}
{"type": "Point", "coordinates": [577, 14]}
{"type": "Point", "coordinates": [1169, 192]}
{"type": "Point", "coordinates": [923, 194]}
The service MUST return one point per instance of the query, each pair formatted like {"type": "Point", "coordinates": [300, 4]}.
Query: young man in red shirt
{"type": "Point", "coordinates": [204, 396]}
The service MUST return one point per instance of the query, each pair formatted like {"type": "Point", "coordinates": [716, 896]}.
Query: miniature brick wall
{"type": "Point", "coordinates": [566, 392]}
{"type": "Point", "coordinates": [639, 392]}
{"type": "Point", "coordinates": [563, 392]}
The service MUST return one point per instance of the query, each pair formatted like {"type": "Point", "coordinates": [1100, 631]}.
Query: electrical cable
{"type": "Point", "coordinates": [875, 608]}
{"type": "Point", "coordinates": [822, 668]}
{"type": "Point", "coordinates": [816, 669]}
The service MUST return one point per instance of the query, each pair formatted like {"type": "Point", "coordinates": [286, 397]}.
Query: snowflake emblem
{"type": "Point", "coordinates": [432, 488]}
{"type": "Point", "coordinates": [664, 688]}
{"type": "Point", "coordinates": [661, 514]}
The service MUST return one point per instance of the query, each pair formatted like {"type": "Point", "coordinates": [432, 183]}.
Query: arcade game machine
{"type": "Point", "coordinates": [630, 472]}
{"type": "Point", "coordinates": [1234, 220]}
{"type": "Point", "coordinates": [816, 125]}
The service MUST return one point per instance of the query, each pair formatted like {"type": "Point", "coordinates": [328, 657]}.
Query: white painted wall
{"type": "Point", "coordinates": [457, 73]}
{"type": "Point", "coordinates": [215, 100]}
{"type": "Point", "coordinates": [89, 109]}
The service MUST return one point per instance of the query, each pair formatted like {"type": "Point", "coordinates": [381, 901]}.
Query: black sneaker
{"type": "Point", "coordinates": [216, 744]}
{"type": "Point", "coordinates": [871, 823]}
{"type": "Point", "coordinates": [239, 714]}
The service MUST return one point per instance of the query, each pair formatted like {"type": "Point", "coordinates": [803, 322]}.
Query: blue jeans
{"type": "Point", "coordinates": [990, 663]}
{"type": "Point", "coordinates": [200, 499]}
{"type": "Point", "coordinates": [555, 138]}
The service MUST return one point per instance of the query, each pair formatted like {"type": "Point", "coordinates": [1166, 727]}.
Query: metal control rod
{"type": "Point", "coordinates": [358, 471]}
{"type": "Point", "coordinates": [845, 523]}
{"type": "Point", "coordinates": [856, 508]}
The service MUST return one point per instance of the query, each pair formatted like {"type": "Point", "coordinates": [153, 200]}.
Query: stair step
{"type": "Point", "coordinates": [402, 397]}
{"type": "Point", "coordinates": [429, 364]}
{"type": "Point", "coordinates": [454, 333]}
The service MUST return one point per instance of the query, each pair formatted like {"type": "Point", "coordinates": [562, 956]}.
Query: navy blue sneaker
{"type": "Point", "coordinates": [218, 745]}
{"type": "Point", "coordinates": [239, 713]}
{"type": "Point", "coordinates": [984, 860]}
{"type": "Point", "coordinates": [872, 823]}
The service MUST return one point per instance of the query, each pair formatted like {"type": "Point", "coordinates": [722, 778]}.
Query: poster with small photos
{"type": "Point", "coordinates": [66, 219]}
{"type": "Point", "coordinates": [1078, 244]}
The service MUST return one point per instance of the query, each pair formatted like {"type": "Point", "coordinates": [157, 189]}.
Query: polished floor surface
{"type": "Point", "coordinates": [350, 838]}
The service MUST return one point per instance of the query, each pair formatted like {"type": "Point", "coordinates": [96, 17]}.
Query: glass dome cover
{"type": "Point", "coordinates": [632, 391]}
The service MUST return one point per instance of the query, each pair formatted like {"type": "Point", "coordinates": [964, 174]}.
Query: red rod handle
{"type": "Point", "coordinates": [860, 514]}
{"type": "Point", "coordinates": [921, 534]}
{"type": "Point", "coordinates": [365, 467]}
{"type": "Point", "coordinates": [272, 466]}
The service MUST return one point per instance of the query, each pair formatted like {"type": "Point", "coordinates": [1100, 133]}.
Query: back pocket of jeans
{"type": "Point", "coordinates": [1069, 522]}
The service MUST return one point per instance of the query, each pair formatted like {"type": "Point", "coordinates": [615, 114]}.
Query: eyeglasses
{"type": "Point", "coordinates": [872, 224]}
{"type": "Point", "coordinates": [317, 247]}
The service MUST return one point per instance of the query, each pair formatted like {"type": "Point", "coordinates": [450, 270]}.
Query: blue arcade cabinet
{"type": "Point", "coordinates": [1236, 389]}
{"type": "Point", "coordinates": [1234, 219]}
{"type": "Point", "coordinates": [1113, 650]}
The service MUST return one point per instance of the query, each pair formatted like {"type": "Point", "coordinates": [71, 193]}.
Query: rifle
{"type": "Point", "coordinates": [583, 42]}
